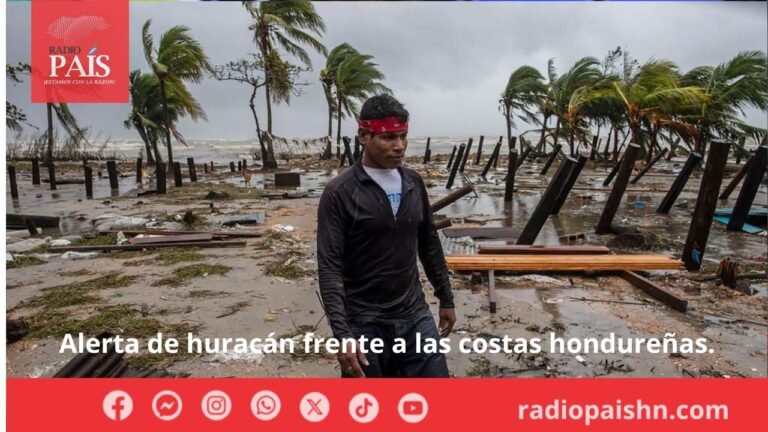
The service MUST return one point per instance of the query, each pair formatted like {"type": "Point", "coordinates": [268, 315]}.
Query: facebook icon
{"type": "Point", "coordinates": [117, 405]}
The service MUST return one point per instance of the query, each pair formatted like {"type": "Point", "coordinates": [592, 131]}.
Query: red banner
{"type": "Point", "coordinates": [79, 51]}
{"type": "Point", "coordinates": [658, 405]}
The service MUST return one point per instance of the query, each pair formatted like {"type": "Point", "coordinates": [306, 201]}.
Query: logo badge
{"type": "Point", "coordinates": [216, 405]}
{"type": "Point", "coordinates": [413, 408]}
{"type": "Point", "coordinates": [265, 405]}
{"type": "Point", "coordinates": [166, 405]}
{"type": "Point", "coordinates": [117, 405]}
{"type": "Point", "coordinates": [79, 51]}
{"type": "Point", "coordinates": [314, 407]}
{"type": "Point", "coordinates": [363, 408]}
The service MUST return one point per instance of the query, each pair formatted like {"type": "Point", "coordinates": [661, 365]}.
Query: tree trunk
{"type": "Point", "coordinates": [570, 141]}
{"type": "Point", "coordinates": [49, 152]}
{"type": "Point", "coordinates": [328, 150]}
{"type": "Point", "coordinates": [147, 146]}
{"type": "Point", "coordinates": [557, 131]}
{"type": "Point", "coordinates": [607, 143]}
{"type": "Point", "coordinates": [541, 146]}
{"type": "Point", "coordinates": [509, 127]}
{"type": "Point", "coordinates": [264, 152]}
{"type": "Point", "coordinates": [167, 126]}
{"type": "Point", "coordinates": [615, 143]}
{"type": "Point", "coordinates": [338, 124]}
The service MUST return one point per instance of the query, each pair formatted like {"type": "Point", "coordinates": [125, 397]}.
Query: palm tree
{"type": "Point", "coordinates": [583, 73]}
{"type": "Point", "coordinates": [525, 87]}
{"type": "Point", "coordinates": [148, 113]}
{"type": "Point", "coordinates": [653, 94]}
{"type": "Point", "coordinates": [328, 78]}
{"type": "Point", "coordinates": [66, 120]}
{"type": "Point", "coordinates": [178, 58]}
{"type": "Point", "coordinates": [287, 25]}
{"type": "Point", "coordinates": [357, 78]}
{"type": "Point", "coordinates": [730, 88]}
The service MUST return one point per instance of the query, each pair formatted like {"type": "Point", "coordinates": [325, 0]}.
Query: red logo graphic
{"type": "Point", "coordinates": [80, 51]}
{"type": "Point", "coordinates": [413, 407]}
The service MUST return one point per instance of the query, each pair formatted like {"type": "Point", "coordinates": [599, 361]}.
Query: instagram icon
{"type": "Point", "coordinates": [216, 405]}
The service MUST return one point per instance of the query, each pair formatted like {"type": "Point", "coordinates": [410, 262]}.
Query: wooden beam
{"type": "Point", "coordinates": [109, 248]}
{"type": "Point", "coordinates": [541, 250]}
{"type": "Point", "coordinates": [546, 263]}
{"type": "Point", "coordinates": [177, 238]}
{"type": "Point", "coordinates": [216, 234]}
{"type": "Point", "coordinates": [655, 291]}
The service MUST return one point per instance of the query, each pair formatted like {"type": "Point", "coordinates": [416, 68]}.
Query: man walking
{"type": "Point", "coordinates": [374, 220]}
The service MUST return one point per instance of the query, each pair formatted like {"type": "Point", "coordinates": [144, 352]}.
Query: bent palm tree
{"type": "Point", "coordinates": [730, 88]}
{"type": "Point", "coordinates": [178, 58]}
{"type": "Point", "coordinates": [284, 24]}
{"type": "Point", "coordinates": [525, 87]}
{"type": "Point", "coordinates": [357, 78]}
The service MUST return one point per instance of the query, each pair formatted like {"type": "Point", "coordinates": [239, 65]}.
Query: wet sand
{"type": "Point", "coordinates": [579, 306]}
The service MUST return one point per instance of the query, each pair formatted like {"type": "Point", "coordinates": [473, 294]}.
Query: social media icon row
{"type": "Point", "coordinates": [265, 406]}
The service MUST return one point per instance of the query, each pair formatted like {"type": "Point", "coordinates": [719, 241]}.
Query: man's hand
{"type": "Point", "coordinates": [350, 362]}
{"type": "Point", "coordinates": [447, 319]}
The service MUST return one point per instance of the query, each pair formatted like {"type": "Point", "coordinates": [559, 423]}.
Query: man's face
{"type": "Point", "coordinates": [385, 150]}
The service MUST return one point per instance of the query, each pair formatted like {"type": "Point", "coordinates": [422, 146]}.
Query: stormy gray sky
{"type": "Point", "coordinates": [448, 62]}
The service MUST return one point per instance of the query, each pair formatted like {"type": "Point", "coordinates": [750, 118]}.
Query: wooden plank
{"type": "Point", "coordinates": [545, 263]}
{"type": "Point", "coordinates": [216, 234]}
{"type": "Point", "coordinates": [655, 291]}
{"type": "Point", "coordinates": [483, 232]}
{"type": "Point", "coordinates": [16, 221]}
{"type": "Point", "coordinates": [542, 250]}
{"type": "Point", "coordinates": [129, 247]}
{"type": "Point", "coordinates": [180, 238]}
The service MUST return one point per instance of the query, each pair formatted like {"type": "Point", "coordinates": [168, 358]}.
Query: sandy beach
{"type": "Point", "coordinates": [269, 285]}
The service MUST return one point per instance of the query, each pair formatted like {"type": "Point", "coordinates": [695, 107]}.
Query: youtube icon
{"type": "Point", "coordinates": [413, 408]}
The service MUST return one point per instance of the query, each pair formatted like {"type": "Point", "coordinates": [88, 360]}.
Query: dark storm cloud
{"type": "Point", "coordinates": [447, 61]}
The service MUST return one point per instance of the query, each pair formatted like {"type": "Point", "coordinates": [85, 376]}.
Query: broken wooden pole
{"type": "Point", "coordinates": [160, 172]}
{"type": "Point", "coordinates": [466, 156]}
{"type": "Point", "coordinates": [479, 150]}
{"type": "Point", "coordinates": [613, 172]}
{"type": "Point", "coordinates": [552, 157]}
{"type": "Point", "coordinates": [511, 168]}
{"type": "Point", "coordinates": [177, 174]}
{"type": "Point", "coordinates": [661, 294]}
{"type": "Point", "coordinates": [88, 182]}
{"type": "Point", "coordinates": [593, 152]}
{"type": "Point", "coordinates": [523, 157]}
{"type": "Point", "coordinates": [443, 223]}
{"type": "Point", "coordinates": [112, 174]}
{"type": "Point", "coordinates": [614, 199]}
{"type": "Point", "coordinates": [427, 152]}
{"type": "Point", "coordinates": [650, 165]}
{"type": "Point", "coordinates": [212, 166]}
{"type": "Point", "coordinates": [737, 179]}
{"type": "Point", "coordinates": [450, 198]}
{"type": "Point", "coordinates": [29, 223]}
{"type": "Point", "coordinates": [12, 178]}
{"type": "Point", "coordinates": [347, 151]}
{"type": "Point", "coordinates": [450, 159]}
{"type": "Point", "coordinates": [546, 202]}
{"type": "Point", "coordinates": [492, 160]}
{"type": "Point", "coordinates": [239, 166]}
{"type": "Point", "coordinates": [139, 163]}
{"type": "Point", "coordinates": [748, 190]}
{"type": "Point", "coordinates": [205, 168]}
{"type": "Point", "coordinates": [698, 232]}
{"type": "Point", "coordinates": [677, 186]}
{"type": "Point", "coordinates": [569, 182]}
{"type": "Point", "coordinates": [496, 159]}
{"type": "Point", "coordinates": [52, 175]}
{"type": "Point", "coordinates": [192, 170]}
{"type": "Point", "coordinates": [35, 172]}
{"type": "Point", "coordinates": [232, 167]}
{"type": "Point", "coordinates": [245, 164]}
{"type": "Point", "coordinates": [455, 167]}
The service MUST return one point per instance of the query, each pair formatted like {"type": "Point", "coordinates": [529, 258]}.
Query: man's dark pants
{"type": "Point", "coordinates": [410, 364]}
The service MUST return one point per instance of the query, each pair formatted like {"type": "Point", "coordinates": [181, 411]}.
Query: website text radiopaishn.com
{"type": "Point", "coordinates": [562, 410]}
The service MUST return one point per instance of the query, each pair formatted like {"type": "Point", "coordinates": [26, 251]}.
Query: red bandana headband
{"type": "Point", "coordinates": [389, 124]}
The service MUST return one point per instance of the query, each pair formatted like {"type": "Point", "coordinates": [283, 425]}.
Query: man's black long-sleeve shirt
{"type": "Point", "coordinates": [367, 257]}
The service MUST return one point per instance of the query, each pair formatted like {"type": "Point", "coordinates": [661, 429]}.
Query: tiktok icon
{"type": "Point", "coordinates": [363, 408]}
